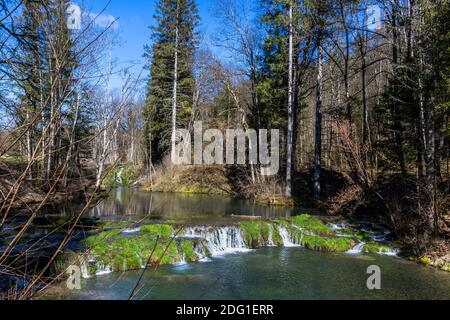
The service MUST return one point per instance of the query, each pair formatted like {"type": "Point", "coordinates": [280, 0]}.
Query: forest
{"type": "Point", "coordinates": [358, 89]}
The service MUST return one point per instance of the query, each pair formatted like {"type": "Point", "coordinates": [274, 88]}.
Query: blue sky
{"type": "Point", "coordinates": [135, 17]}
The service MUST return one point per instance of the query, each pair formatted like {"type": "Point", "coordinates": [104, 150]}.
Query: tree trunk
{"type": "Point", "coordinates": [318, 125]}
{"type": "Point", "coordinates": [175, 89]}
{"type": "Point", "coordinates": [291, 120]}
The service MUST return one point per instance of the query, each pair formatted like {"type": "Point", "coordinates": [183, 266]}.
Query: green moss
{"type": "Point", "coordinates": [256, 233]}
{"type": "Point", "coordinates": [327, 244]}
{"type": "Point", "coordinates": [446, 267]}
{"type": "Point", "coordinates": [188, 248]}
{"type": "Point", "coordinates": [252, 233]}
{"type": "Point", "coordinates": [101, 238]}
{"type": "Point", "coordinates": [194, 189]}
{"type": "Point", "coordinates": [375, 247]}
{"type": "Point", "coordinates": [122, 253]}
{"type": "Point", "coordinates": [276, 237]}
{"type": "Point", "coordinates": [117, 224]}
{"type": "Point", "coordinates": [157, 230]}
{"type": "Point", "coordinates": [312, 224]}
{"type": "Point", "coordinates": [358, 235]}
{"type": "Point", "coordinates": [433, 262]}
{"type": "Point", "coordinates": [425, 260]}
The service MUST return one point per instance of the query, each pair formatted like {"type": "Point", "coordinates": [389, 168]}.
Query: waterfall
{"type": "Point", "coordinates": [357, 249]}
{"type": "Point", "coordinates": [392, 253]}
{"type": "Point", "coordinates": [285, 236]}
{"type": "Point", "coordinates": [132, 230]}
{"type": "Point", "coordinates": [119, 179]}
{"type": "Point", "coordinates": [84, 268]}
{"type": "Point", "coordinates": [270, 242]}
{"type": "Point", "coordinates": [219, 241]}
{"type": "Point", "coordinates": [101, 270]}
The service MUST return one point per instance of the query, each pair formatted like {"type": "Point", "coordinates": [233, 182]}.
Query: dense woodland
{"type": "Point", "coordinates": [362, 103]}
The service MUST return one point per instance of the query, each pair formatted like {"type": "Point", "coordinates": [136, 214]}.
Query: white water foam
{"type": "Point", "coordinates": [392, 253]}
{"type": "Point", "coordinates": [219, 241]}
{"type": "Point", "coordinates": [285, 236]}
{"type": "Point", "coordinates": [132, 230]}
{"type": "Point", "coordinates": [357, 249]}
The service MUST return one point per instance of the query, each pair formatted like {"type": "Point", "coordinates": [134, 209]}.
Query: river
{"type": "Point", "coordinates": [266, 273]}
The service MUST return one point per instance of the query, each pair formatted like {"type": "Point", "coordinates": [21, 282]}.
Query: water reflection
{"type": "Point", "coordinates": [136, 203]}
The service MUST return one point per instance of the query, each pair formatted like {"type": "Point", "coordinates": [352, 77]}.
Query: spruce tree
{"type": "Point", "coordinates": [174, 36]}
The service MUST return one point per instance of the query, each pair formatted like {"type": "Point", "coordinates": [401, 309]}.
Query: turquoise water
{"type": "Point", "coordinates": [274, 273]}
{"type": "Point", "coordinates": [268, 273]}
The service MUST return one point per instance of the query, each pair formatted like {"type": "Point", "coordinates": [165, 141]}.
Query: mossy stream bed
{"type": "Point", "coordinates": [231, 255]}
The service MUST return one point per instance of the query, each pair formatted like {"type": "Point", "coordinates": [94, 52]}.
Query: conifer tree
{"type": "Point", "coordinates": [171, 83]}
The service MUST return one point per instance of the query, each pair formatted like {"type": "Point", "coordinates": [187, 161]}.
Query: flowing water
{"type": "Point", "coordinates": [235, 272]}
{"type": "Point", "coordinates": [274, 273]}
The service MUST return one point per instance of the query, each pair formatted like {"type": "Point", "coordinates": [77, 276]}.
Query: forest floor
{"type": "Point", "coordinates": [33, 191]}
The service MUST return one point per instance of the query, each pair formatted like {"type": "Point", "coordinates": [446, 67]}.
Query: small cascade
{"type": "Point", "coordinates": [285, 236]}
{"type": "Point", "coordinates": [219, 241]}
{"type": "Point", "coordinates": [103, 270]}
{"type": "Point", "coordinates": [201, 254]}
{"type": "Point", "coordinates": [270, 242]}
{"type": "Point", "coordinates": [392, 253]}
{"type": "Point", "coordinates": [357, 249]}
{"type": "Point", "coordinates": [182, 256]}
{"type": "Point", "coordinates": [84, 268]}
{"type": "Point", "coordinates": [119, 179]}
{"type": "Point", "coordinates": [132, 230]}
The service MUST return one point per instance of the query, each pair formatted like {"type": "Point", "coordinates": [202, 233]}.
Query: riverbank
{"type": "Point", "coordinates": [391, 199]}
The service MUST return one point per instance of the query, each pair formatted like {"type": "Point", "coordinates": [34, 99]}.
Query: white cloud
{"type": "Point", "coordinates": [103, 20]}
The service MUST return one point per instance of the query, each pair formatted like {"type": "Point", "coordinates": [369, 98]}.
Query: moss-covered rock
{"type": "Point", "coordinates": [327, 244]}
{"type": "Point", "coordinates": [440, 263]}
{"type": "Point", "coordinates": [153, 245]}
{"type": "Point", "coordinates": [255, 233]}
{"type": "Point", "coordinates": [260, 233]}
{"type": "Point", "coordinates": [161, 244]}
{"type": "Point", "coordinates": [358, 235]}
{"type": "Point", "coordinates": [187, 248]}
{"type": "Point", "coordinates": [376, 247]}
{"type": "Point", "coordinates": [312, 224]}
{"type": "Point", "coordinates": [158, 230]}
